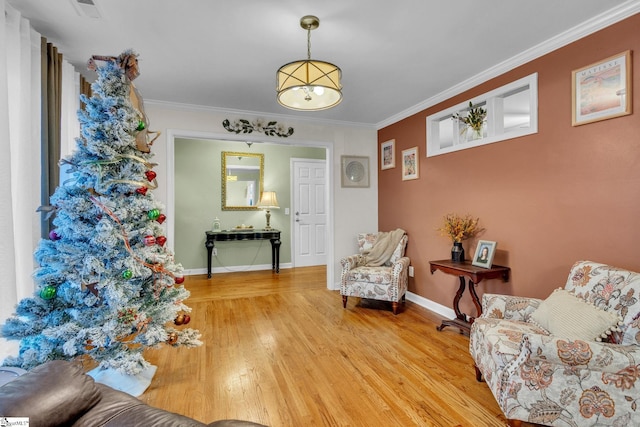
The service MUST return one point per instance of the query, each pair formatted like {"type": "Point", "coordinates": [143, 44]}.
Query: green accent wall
{"type": "Point", "coordinates": [198, 164]}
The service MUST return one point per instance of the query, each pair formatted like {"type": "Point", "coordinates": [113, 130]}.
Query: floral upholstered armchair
{"type": "Point", "coordinates": [386, 282]}
{"type": "Point", "coordinates": [570, 360]}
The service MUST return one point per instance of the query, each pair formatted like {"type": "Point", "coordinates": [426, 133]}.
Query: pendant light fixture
{"type": "Point", "coordinates": [309, 85]}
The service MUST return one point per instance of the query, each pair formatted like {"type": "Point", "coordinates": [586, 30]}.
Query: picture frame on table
{"type": "Point", "coordinates": [602, 90]}
{"type": "Point", "coordinates": [354, 171]}
{"type": "Point", "coordinates": [388, 154]}
{"type": "Point", "coordinates": [410, 164]}
{"type": "Point", "coordinates": [483, 256]}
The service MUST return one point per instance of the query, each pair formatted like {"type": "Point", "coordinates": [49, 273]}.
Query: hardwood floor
{"type": "Point", "coordinates": [280, 350]}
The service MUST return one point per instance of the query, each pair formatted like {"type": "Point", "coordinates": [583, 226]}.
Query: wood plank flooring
{"type": "Point", "coordinates": [279, 349]}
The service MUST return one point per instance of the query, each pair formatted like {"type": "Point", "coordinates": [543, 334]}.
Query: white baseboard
{"type": "Point", "coordinates": [234, 269]}
{"type": "Point", "coordinates": [439, 309]}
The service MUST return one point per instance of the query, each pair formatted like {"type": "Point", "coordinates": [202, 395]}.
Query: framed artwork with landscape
{"type": "Point", "coordinates": [602, 90]}
{"type": "Point", "coordinates": [388, 154]}
{"type": "Point", "coordinates": [410, 166]}
{"type": "Point", "coordinates": [483, 257]}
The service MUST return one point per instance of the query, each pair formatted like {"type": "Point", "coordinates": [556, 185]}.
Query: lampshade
{"type": "Point", "coordinates": [309, 84]}
{"type": "Point", "coordinates": [268, 200]}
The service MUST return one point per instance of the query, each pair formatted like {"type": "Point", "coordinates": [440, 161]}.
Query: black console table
{"type": "Point", "coordinates": [230, 235]}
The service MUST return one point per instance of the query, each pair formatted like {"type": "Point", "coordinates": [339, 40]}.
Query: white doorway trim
{"type": "Point", "coordinates": [172, 134]}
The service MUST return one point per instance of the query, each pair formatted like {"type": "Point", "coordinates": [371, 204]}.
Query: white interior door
{"type": "Point", "coordinates": [309, 204]}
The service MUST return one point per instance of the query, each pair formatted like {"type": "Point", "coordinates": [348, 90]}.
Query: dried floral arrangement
{"type": "Point", "coordinates": [459, 228]}
{"type": "Point", "coordinates": [474, 119]}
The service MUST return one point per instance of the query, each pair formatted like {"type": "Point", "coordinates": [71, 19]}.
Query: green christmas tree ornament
{"type": "Point", "coordinates": [127, 274]}
{"type": "Point", "coordinates": [141, 126]}
{"type": "Point", "coordinates": [153, 214]}
{"type": "Point", "coordinates": [48, 292]}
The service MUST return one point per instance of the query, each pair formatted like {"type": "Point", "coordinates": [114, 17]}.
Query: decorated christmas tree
{"type": "Point", "coordinates": [106, 286]}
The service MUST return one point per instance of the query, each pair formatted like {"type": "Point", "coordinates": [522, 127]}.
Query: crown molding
{"type": "Point", "coordinates": [255, 114]}
{"type": "Point", "coordinates": [588, 27]}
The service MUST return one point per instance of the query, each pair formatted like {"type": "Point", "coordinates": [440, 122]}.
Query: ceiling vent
{"type": "Point", "coordinates": [86, 8]}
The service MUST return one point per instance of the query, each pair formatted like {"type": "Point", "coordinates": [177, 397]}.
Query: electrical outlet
{"type": "Point", "coordinates": [411, 271]}
{"type": "Point", "coordinates": [215, 251]}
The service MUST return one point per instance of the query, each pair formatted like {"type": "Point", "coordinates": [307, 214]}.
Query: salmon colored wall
{"type": "Point", "coordinates": [548, 199]}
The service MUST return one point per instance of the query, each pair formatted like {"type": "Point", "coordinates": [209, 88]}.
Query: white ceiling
{"type": "Point", "coordinates": [394, 55]}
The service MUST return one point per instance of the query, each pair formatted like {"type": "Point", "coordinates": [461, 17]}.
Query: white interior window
{"type": "Point", "coordinates": [511, 112]}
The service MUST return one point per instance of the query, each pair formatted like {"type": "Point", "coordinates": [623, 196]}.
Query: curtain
{"type": "Point", "coordinates": [72, 86]}
{"type": "Point", "coordinates": [51, 129]}
{"type": "Point", "coordinates": [21, 156]}
{"type": "Point", "coordinates": [85, 88]}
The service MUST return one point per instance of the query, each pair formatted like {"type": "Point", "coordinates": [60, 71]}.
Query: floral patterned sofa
{"type": "Point", "coordinates": [553, 377]}
{"type": "Point", "coordinates": [387, 283]}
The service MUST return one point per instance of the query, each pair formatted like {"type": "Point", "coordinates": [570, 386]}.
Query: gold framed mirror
{"type": "Point", "coordinates": [242, 180]}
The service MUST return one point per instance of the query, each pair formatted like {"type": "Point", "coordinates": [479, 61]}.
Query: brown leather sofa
{"type": "Point", "coordinates": [59, 393]}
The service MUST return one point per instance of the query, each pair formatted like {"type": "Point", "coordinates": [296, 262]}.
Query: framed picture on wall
{"type": "Point", "coordinates": [355, 171]}
{"type": "Point", "coordinates": [602, 90]}
{"type": "Point", "coordinates": [388, 154]}
{"type": "Point", "coordinates": [410, 166]}
{"type": "Point", "coordinates": [483, 257]}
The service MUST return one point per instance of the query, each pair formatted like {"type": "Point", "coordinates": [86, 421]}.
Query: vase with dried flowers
{"type": "Point", "coordinates": [459, 228]}
{"type": "Point", "coordinates": [473, 122]}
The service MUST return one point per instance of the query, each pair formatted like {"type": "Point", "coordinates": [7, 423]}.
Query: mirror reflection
{"type": "Point", "coordinates": [242, 180]}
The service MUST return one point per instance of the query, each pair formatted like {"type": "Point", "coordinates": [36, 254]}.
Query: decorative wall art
{"type": "Point", "coordinates": [483, 257]}
{"type": "Point", "coordinates": [410, 166]}
{"type": "Point", "coordinates": [388, 154]}
{"type": "Point", "coordinates": [355, 171]}
{"type": "Point", "coordinates": [602, 90]}
{"type": "Point", "coordinates": [271, 128]}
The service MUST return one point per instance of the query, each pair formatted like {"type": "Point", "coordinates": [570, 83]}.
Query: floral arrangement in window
{"type": "Point", "coordinates": [474, 119]}
{"type": "Point", "coordinates": [459, 228]}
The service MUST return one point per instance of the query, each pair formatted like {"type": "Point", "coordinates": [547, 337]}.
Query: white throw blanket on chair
{"type": "Point", "coordinates": [383, 248]}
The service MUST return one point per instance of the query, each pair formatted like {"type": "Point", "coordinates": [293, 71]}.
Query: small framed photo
{"type": "Point", "coordinates": [388, 154]}
{"type": "Point", "coordinates": [355, 171]}
{"type": "Point", "coordinates": [483, 257]}
{"type": "Point", "coordinates": [601, 90]}
{"type": "Point", "coordinates": [410, 166]}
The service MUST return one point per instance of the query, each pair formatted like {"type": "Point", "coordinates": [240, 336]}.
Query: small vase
{"type": "Point", "coordinates": [457, 252]}
{"type": "Point", "coordinates": [476, 133]}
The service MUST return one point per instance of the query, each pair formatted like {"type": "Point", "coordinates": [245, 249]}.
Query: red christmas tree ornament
{"type": "Point", "coordinates": [179, 280]}
{"type": "Point", "coordinates": [161, 218]}
{"type": "Point", "coordinates": [161, 240]}
{"type": "Point", "coordinates": [187, 319]}
{"type": "Point", "coordinates": [149, 240]}
{"type": "Point", "coordinates": [151, 175]}
{"type": "Point", "coordinates": [141, 190]}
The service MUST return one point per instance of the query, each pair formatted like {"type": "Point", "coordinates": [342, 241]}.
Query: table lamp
{"type": "Point", "coordinates": [268, 201]}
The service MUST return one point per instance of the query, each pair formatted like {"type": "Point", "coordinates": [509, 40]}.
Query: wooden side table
{"type": "Point", "coordinates": [475, 275]}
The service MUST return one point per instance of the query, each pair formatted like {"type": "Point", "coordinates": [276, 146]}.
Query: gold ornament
{"type": "Point", "coordinates": [173, 338]}
{"type": "Point", "coordinates": [179, 320]}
